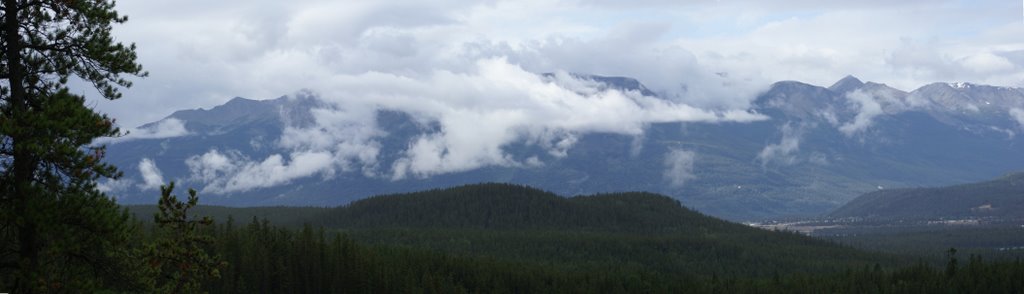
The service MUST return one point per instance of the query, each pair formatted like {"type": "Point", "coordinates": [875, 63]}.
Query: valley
{"type": "Point", "coordinates": [571, 146]}
{"type": "Point", "coordinates": [924, 221]}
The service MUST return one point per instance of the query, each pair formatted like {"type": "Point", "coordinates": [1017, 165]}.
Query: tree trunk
{"type": "Point", "coordinates": [24, 164]}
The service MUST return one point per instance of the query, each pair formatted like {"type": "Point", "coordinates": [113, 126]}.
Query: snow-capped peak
{"type": "Point", "coordinates": [960, 85]}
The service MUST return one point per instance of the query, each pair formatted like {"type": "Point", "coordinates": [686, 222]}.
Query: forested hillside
{"type": "Point", "coordinates": [1001, 198]}
{"type": "Point", "coordinates": [508, 238]}
{"type": "Point", "coordinates": [641, 230]}
{"type": "Point", "coordinates": [638, 230]}
{"type": "Point", "coordinates": [507, 206]}
{"type": "Point", "coordinates": [644, 230]}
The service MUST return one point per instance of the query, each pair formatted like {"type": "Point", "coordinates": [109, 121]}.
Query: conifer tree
{"type": "Point", "coordinates": [179, 260]}
{"type": "Point", "coordinates": [57, 231]}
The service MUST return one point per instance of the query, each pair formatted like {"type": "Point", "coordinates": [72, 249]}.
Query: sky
{"type": "Point", "coordinates": [472, 69]}
{"type": "Point", "coordinates": [706, 54]}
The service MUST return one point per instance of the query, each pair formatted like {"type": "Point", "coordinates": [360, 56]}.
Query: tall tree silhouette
{"type": "Point", "coordinates": [58, 231]}
{"type": "Point", "coordinates": [179, 258]}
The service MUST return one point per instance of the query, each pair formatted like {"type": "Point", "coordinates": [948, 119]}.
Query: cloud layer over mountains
{"type": "Point", "coordinates": [470, 119]}
{"type": "Point", "coordinates": [476, 114]}
{"type": "Point", "coordinates": [708, 54]}
{"type": "Point", "coordinates": [470, 72]}
{"type": "Point", "coordinates": [574, 133]}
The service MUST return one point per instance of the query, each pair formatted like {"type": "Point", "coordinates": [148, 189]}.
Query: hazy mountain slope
{"type": "Point", "coordinates": [819, 148]}
{"type": "Point", "coordinates": [1002, 198]}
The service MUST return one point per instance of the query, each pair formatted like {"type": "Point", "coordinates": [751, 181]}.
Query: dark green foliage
{"type": "Point", "coordinates": [640, 230]}
{"type": "Point", "coordinates": [57, 232]}
{"type": "Point", "coordinates": [646, 244]}
{"type": "Point", "coordinates": [930, 241]}
{"type": "Point", "coordinates": [282, 216]}
{"type": "Point", "coordinates": [178, 259]}
{"type": "Point", "coordinates": [267, 259]}
{"type": "Point", "coordinates": [507, 206]}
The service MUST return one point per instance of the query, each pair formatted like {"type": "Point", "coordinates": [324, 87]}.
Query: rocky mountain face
{"type": "Point", "coordinates": [818, 149]}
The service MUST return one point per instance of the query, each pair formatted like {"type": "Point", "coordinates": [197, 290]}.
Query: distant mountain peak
{"type": "Point", "coordinates": [873, 84]}
{"type": "Point", "coordinates": [612, 82]}
{"type": "Point", "coordinates": [791, 86]}
{"type": "Point", "coordinates": [239, 100]}
{"type": "Point", "coordinates": [935, 87]}
{"type": "Point", "coordinates": [848, 79]}
{"type": "Point", "coordinates": [846, 84]}
{"type": "Point", "coordinates": [961, 85]}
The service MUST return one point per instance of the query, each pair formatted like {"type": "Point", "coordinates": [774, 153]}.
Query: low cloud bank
{"type": "Point", "coordinates": [166, 128]}
{"type": "Point", "coordinates": [475, 114]}
{"type": "Point", "coordinates": [152, 178]}
{"type": "Point", "coordinates": [782, 153]}
{"type": "Point", "coordinates": [679, 167]}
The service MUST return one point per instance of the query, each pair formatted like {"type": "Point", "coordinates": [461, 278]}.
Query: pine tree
{"type": "Point", "coordinates": [57, 231]}
{"type": "Point", "coordinates": [180, 260]}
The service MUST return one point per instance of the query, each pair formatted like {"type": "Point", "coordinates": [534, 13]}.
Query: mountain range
{"type": "Point", "coordinates": [814, 149]}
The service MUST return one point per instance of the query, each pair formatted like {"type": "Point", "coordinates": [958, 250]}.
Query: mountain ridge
{"type": "Point", "coordinates": [818, 149]}
{"type": "Point", "coordinates": [1001, 198]}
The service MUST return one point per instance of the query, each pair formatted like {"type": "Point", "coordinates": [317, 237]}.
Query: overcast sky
{"type": "Point", "coordinates": [707, 54]}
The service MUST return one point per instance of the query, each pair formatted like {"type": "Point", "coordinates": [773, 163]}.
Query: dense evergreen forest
{"type": "Point", "coordinates": [998, 241]}
{"type": "Point", "coordinates": [507, 238]}
{"type": "Point", "coordinates": [267, 259]}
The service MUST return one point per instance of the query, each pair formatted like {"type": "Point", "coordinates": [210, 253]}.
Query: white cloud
{"type": "Point", "coordinates": [783, 152]}
{"type": "Point", "coordinates": [868, 109]}
{"type": "Point", "coordinates": [636, 51]}
{"type": "Point", "coordinates": [499, 103]}
{"type": "Point", "coordinates": [111, 187]}
{"type": "Point", "coordinates": [679, 167]}
{"type": "Point", "coordinates": [1018, 115]}
{"type": "Point", "coordinates": [275, 171]}
{"type": "Point", "coordinates": [1010, 134]}
{"type": "Point", "coordinates": [348, 134]}
{"type": "Point", "coordinates": [476, 113]}
{"type": "Point", "coordinates": [151, 176]}
{"type": "Point", "coordinates": [987, 62]}
{"type": "Point", "coordinates": [166, 128]}
{"type": "Point", "coordinates": [710, 53]}
{"type": "Point", "coordinates": [906, 46]}
{"type": "Point", "coordinates": [212, 166]}
{"type": "Point", "coordinates": [470, 67]}
{"type": "Point", "coordinates": [225, 173]}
